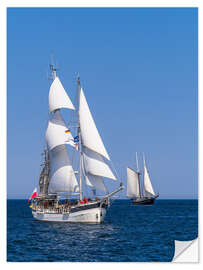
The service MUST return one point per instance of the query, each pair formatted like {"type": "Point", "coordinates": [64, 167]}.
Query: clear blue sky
{"type": "Point", "coordinates": [138, 67]}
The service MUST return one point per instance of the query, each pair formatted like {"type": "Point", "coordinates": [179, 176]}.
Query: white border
{"type": "Point", "coordinates": [99, 3]}
{"type": "Point", "coordinates": [64, 3]}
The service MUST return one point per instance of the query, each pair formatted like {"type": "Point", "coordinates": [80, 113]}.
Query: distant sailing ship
{"type": "Point", "coordinates": [58, 178]}
{"type": "Point", "coordinates": [134, 186]}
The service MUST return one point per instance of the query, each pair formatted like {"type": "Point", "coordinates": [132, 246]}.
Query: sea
{"type": "Point", "coordinates": [129, 234]}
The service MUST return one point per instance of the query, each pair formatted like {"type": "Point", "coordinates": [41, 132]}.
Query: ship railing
{"type": "Point", "coordinates": [53, 210]}
{"type": "Point", "coordinates": [66, 209]}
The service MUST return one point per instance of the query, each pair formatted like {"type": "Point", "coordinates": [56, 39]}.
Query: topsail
{"type": "Point", "coordinates": [58, 97]}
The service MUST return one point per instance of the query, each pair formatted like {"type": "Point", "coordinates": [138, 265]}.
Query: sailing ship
{"type": "Point", "coordinates": [58, 178]}
{"type": "Point", "coordinates": [147, 196]}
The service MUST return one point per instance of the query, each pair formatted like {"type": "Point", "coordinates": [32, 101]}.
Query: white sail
{"type": "Point", "coordinates": [89, 132]}
{"type": "Point", "coordinates": [58, 97]}
{"type": "Point", "coordinates": [91, 180]}
{"type": "Point", "coordinates": [62, 177]}
{"type": "Point", "coordinates": [96, 182]}
{"type": "Point", "coordinates": [56, 131]}
{"type": "Point", "coordinates": [94, 164]}
{"type": "Point", "coordinates": [133, 188]}
{"type": "Point", "coordinates": [148, 189]}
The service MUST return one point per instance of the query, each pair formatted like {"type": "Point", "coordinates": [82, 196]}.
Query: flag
{"type": "Point", "coordinates": [76, 139]}
{"type": "Point", "coordinates": [67, 131]}
{"type": "Point", "coordinates": [74, 142]}
{"type": "Point", "coordinates": [34, 194]}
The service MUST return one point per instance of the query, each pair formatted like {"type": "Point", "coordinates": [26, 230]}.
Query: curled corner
{"type": "Point", "coordinates": [186, 251]}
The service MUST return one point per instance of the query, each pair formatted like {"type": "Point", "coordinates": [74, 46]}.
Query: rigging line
{"type": "Point", "coordinates": [42, 140]}
{"type": "Point", "coordinates": [74, 118]}
{"type": "Point", "coordinates": [115, 171]}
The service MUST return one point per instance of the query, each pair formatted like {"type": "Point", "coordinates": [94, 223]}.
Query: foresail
{"type": "Point", "coordinates": [148, 189]}
{"type": "Point", "coordinates": [57, 133]}
{"type": "Point", "coordinates": [62, 177]}
{"type": "Point", "coordinates": [96, 182]}
{"type": "Point", "coordinates": [58, 97]}
{"type": "Point", "coordinates": [133, 188]}
{"type": "Point", "coordinates": [95, 164]}
{"type": "Point", "coordinates": [89, 132]}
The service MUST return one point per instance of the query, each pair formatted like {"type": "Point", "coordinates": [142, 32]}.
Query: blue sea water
{"type": "Point", "coordinates": [129, 234]}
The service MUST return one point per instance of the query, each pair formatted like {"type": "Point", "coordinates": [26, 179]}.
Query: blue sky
{"type": "Point", "coordinates": [138, 67]}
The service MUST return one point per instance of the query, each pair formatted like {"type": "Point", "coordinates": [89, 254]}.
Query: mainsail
{"type": "Point", "coordinates": [93, 150]}
{"type": "Point", "coordinates": [133, 187]}
{"type": "Point", "coordinates": [56, 131]}
{"type": "Point", "coordinates": [147, 189]}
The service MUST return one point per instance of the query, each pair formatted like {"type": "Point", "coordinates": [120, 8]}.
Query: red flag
{"type": "Point", "coordinates": [34, 194]}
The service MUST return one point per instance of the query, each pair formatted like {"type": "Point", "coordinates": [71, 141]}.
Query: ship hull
{"type": "Point", "coordinates": [84, 214]}
{"type": "Point", "coordinates": [145, 201]}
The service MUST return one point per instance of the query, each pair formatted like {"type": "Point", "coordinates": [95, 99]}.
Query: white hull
{"type": "Point", "coordinates": [94, 215]}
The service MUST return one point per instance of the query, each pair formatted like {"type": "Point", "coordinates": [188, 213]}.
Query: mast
{"type": "Point", "coordinates": [139, 173]}
{"type": "Point", "coordinates": [80, 145]}
{"type": "Point", "coordinates": [57, 135]}
{"type": "Point", "coordinates": [143, 156]}
{"type": "Point", "coordinates": [46, 151]}
{"type": "Point", "coordinates": [44, 175]}
{"type": "Point", "coordinates": [53, 71]}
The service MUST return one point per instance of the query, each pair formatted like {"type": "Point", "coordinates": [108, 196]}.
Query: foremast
{"type": "Point", "coordinates": [61, 176]}
{"type": "Point", "coordinates": [45, 173]}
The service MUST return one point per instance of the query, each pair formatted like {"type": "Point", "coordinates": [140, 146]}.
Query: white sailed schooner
{"type": "Point", "coordinates": [147, 196]}
{"type": "Point", "coordinates": [58, 176]}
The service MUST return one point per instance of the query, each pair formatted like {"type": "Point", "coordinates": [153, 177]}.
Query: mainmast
{"type": "Point", "coordinates": [80, 144]}
{"type": "Point", "coordinates": [138, 173]}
